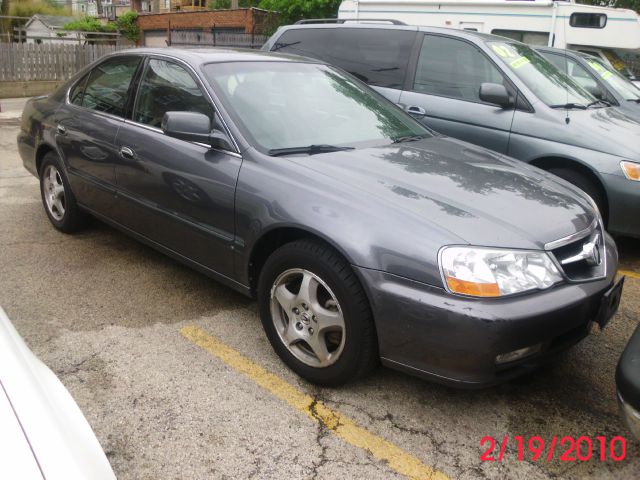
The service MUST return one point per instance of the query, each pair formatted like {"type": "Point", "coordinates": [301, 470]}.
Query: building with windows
{"type": "Point", "coordinates": [156, 29]}
{"type": "Point", "coordinates": [45, 28]}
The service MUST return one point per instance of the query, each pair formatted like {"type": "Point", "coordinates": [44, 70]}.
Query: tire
{"type": "Point", "coordinates": [57, 198]}
{"type": "Point", "coordinates": [301, 320]}
{"type": "Point", "coordinates": [586, 184]}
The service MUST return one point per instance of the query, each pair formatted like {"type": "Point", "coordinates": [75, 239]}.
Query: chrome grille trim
{"type": "Point", "coordinates": [574, 237]}
{"type": "Point", "coordinates": [585, 272]}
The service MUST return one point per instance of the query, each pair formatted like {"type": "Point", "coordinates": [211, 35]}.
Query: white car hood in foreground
{"type": "Point", "coordinates": [43, 433]}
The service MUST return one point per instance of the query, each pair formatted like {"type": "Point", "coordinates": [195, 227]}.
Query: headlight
{"type": "Point", "coordinates": [491, 272]}
{"type": "Point", "coordinates": [631, 170]}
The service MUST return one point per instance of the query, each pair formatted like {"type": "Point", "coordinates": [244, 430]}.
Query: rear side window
{"type": "Point", "coordinates": [168, 87]}
{"type": "Point", "coordinates": [376, 56]}
{"type": "Point", "coordinates": [453, 68]}
{"type": "Point", "coordinates": [108, 84]}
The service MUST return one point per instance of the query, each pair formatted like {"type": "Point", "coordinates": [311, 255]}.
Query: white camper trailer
{"type": "Point", "coordinates": [562, 24]}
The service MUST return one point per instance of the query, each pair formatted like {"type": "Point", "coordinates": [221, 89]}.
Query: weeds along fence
{"type": "Point", "coordinates": [47, 61]}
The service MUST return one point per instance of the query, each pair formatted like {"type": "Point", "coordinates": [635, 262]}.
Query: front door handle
{"type": "Point", "coordinates": [126, 152]}
{"type": "Point", "coordinates": [61, 129]}
{"type": "Point", "coordinates": [415, 110]}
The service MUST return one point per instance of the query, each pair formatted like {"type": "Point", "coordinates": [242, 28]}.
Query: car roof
{"type": "Point", "coordinates": [200, 55]}
{"type": "Point", "coordinates": [470, 34]}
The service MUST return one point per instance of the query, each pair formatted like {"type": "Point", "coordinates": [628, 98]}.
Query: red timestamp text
{"type": "Point", "coordinates": [565, 449]}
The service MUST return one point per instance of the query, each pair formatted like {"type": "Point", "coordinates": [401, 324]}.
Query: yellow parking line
{"type": "Point", "coordinates": [345, 428]}
{"type": "Point", "coordinates": [629, 273]}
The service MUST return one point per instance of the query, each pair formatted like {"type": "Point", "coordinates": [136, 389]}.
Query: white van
{"type": "Point", "coordinates": [591, 29]}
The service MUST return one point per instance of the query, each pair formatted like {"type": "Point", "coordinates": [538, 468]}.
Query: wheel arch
{"type": "Point", "coordinates": [547, 163]}
{"type": "Point", "coordinates": [273, 239]}
{"type": "Point", "coordinates": [41, 151]}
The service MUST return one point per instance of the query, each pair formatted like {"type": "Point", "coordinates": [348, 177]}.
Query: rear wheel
{"type": "Point", "coordinates": [586, 184]}
{"type": "Point", "coordinates": [316, 314]}
{"type": "Point", "coordinates": [59, 203]}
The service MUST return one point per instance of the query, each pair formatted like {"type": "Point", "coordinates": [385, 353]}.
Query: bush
{"type": "Point", "coordinates": [128, 25]}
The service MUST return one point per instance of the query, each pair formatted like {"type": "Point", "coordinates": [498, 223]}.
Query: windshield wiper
{"type": "Point", "coordinates": [310, 150]}
{"type": "Point", "coordinates": [637, 100]}
{"type": "Point", "coordinates": [599, 102]}
{"type": "Point", "coordinates": [570, 106]}
{"type": "Point", "coordinates": [408, 138]}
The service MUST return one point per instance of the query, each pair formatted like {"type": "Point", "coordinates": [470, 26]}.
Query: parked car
{"type": "Point", "coordinates": [494, 92]}
{"type": "Point", "coordinates": [602, 81]}
{"type": "Point", "coordinates": [628, 383]}
{"type": "Point", "coordinates": [43, 434]}
{"type": "Point", "coordinates": [363, 234]}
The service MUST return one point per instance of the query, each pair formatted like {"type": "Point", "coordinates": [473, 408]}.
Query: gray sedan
{"type": "Point", "coordinates": [363, 234]}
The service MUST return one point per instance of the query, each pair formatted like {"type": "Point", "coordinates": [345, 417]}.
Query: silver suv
{"type": "Point", "coordinates": [494, 92]}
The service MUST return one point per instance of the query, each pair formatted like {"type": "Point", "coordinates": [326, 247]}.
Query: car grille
{"type": "Point", "coordinates": [582, 258]}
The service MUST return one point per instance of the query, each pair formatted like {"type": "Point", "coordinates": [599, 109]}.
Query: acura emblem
{"type": "Point", "coordinates": [590, 253]}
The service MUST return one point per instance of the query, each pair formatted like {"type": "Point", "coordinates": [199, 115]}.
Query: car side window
{"type": "Point", "coordinates": [376, 56]}
{"type": "Point", "coordinates": [108, 85]}
{"type": "Point", "coordinates": [168, 87]}
{"type": "Point", "coordinates": [453, 68]}
{"type": "Point", "coordinates": [576, 71]}
{"type": "Point", "coordinates": [75, 94]}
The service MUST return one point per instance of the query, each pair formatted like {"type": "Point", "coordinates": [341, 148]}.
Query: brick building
{"type": "Point", "coordinates": [155, 28]}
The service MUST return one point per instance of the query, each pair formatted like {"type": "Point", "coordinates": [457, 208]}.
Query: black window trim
{"type": "Point", "coordinates": [521, 102]}
{"type": "Point", "coordinates": [85, 77]}
{"type": "Point", "coordinates": [201, 86]}
{"type": "Point", "coordinates": [576, 14]}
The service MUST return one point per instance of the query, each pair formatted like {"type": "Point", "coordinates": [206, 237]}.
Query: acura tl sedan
{"type": "Point", "coordinates": [364, 235]}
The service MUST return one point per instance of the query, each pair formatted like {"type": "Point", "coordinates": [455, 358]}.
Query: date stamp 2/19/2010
{"type": "Point", "coordinates": [565, 449]}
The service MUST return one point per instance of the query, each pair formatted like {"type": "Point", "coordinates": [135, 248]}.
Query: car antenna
{"type": "Point", "coordinates": [566, 89]}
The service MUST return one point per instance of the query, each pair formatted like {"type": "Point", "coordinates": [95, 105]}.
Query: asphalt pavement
{"type": "Point", "coordinates": [177, 379]}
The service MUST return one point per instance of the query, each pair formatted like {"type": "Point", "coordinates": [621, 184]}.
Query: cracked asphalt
{"type": "Point", "coordinates": [105, 314]}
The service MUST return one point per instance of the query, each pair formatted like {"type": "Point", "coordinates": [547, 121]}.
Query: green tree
{"type": "Point", "coordinates": [90, 24]}
{"type": "Point", "coordinates": [222, 4]}
{"type": "Point", "coordinates": [630, 4]}
{"type": "Point", "coordinates": [128, 25]}
{"type": "Point", "coordinates": [293, 10]}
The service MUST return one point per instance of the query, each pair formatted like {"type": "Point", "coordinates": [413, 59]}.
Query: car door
{"type": "Point", "coordinates": [87, 124]}
{"type": "Point", "coordinates": [176, 193]}
{"type": "Point", "coordinates": [444, 93]}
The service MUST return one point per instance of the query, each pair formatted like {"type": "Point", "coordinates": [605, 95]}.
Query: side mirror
{"type": "Point", "coordinates": [193, 127]}
{"type": "Point", "coordinates": [495, 93]}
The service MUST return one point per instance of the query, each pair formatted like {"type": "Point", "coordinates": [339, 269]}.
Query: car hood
{"type": "Point", "coordinates": [479, 196]}
{"type": "Point", "coordinates": [608, 130]}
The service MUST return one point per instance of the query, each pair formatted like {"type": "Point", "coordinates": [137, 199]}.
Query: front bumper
{"type": "Point", "coordinates": [624, 205]}
{"type": "Point", "coordinates": [427, 332]}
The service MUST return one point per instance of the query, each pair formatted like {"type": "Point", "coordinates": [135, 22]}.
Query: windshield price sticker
{"type": "Point", "coordinates": [519, 62]}
{"type": "Point", "coordinates": [604, 73]}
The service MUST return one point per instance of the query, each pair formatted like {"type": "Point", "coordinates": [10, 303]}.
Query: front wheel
{"type": "Point", "coordinates": [316, 314]}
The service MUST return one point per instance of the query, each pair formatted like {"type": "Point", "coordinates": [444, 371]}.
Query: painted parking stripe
{"type": "Point", "coordinates": [629, 273]}
{"type": "Point", "coordinates": [345, 428]}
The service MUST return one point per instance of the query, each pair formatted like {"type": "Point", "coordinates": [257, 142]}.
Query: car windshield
{"type": "Point", "coordinates": [287, 105]}
{"type": "Point", "coordinates": [548, 83]}
{"type": "Point", "coordinates": [617, 82]}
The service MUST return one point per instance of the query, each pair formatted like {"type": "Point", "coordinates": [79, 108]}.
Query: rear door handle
{"type": "Point", "coordinates": [126, 152]}
{"type": "Point", "coordinates": [61, 129]}
{"type": "Point", "coordinates": [415, 110]}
